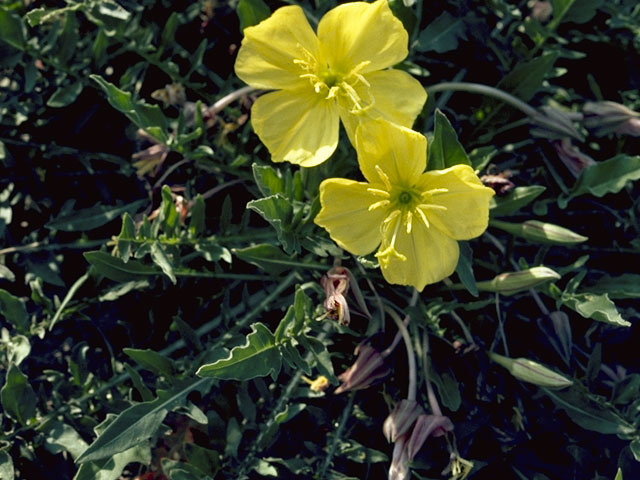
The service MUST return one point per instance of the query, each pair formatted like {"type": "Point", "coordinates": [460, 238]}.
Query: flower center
{"type": "Point", "coordinates": [350, 89]}
{"type": "Point", "coordinates": [403, 204]}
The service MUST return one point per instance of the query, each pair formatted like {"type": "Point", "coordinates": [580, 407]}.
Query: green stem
{"type": "Point", "coordinates": [485, 90]}
{"type": "Point", "coordinates": [72, 291]}
{"type": "Point", "coordinates": [336, 438]}
{"type": "Point", "coordinates": [39, 246]}
{"type": "Point", "coordinates": [411, 358]}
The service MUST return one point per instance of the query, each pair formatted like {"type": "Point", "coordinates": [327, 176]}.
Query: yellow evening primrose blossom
{"type": "Point", "coordinates": [414, 218]}
{"type": "Point", "coordinates": [340, 73]}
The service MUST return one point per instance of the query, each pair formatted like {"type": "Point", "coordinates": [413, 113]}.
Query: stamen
{"type": "Point", "coordinates": [432, 206]}
{"type": "Point", "coordinates": [390, 218]}
{"type": "Point", "coordinates": [423, 217]}
{"type": "Point", "coordinates": [384, 256]}
{"type": "Point", "coordinates": [353, 96]}
{"type": "Point", "coordinates": [384, 177]}
{"type": "Point", "coordinates": [407, 221]}
{"type": "Point", "coordinates": [381, 203]}
{"type": "Point", "coordinates": [379, 193]}
{"type": "Point", "coordinates": [433, 191]}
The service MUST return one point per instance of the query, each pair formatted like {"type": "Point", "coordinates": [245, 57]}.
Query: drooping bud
{"type": "Point", "coordinates": [555, 124]}
{"type": "Point", "coordinates": [607, 117]}
{"type": "Point", "coordinates": [572, 157]}
{"type": "Point", "coordinates": [531, 372]}
{"type": "Point", "coordinates": [540, 232]}
{"type": "Point", "coordinates": [509, 283]}
{"type": "Point", "coordinates": [368, 368]}
{"type": "Point", "coordinates": [426, 426]}
{"type": "Point", "coordinates": [149, 159]}
{"type": "Point", "coordinates": [401, 419]}
{"type": "Point", "coordinates": [399, 469]}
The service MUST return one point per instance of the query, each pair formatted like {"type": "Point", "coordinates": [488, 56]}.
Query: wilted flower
{"type": "Point", "coordinates": [149, 159]}
{"type": "Point", "coordinates": [368, 368]}
{"type": "Point", "coordinates": [572, 157]}
{"type": "Point", "coordinates": [339, 74]}
{"type": "Point", "coordinates": [336, 285]}
{"type": "Point", "coordinates": [172, 94]}
{"type": "Point", "coordinates": [427, 426]}
{"type": "Point", "coordinates": [611, 117]}
{"type": "Point", "coordinates": [401, 419]}
{"type": "Point", "coordinates": [413, 218]}
{"type": "Point", "coordinates": [541, 10]}
{"type": "Point", "coordinates": [320, 384]}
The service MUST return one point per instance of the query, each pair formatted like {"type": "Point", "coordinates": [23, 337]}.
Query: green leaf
{"type": "Point", "coordinates": [197, 221]}
{"type": "Point", "coordinates": [18, 398]}
{"type": "Point", "coordinates": [127, 234]}
{"type": "Point", "coordinates": [590, 411]}
{"type": "Point", "coordinates": [112, 468]}
{"type": "Point", "coordinates": [464, 269]}
{"type": "Point", "coordinates": [624, 286]}
{"type": "Point", "coordinates": [268, 179]}
{"type": "Point", "coordinates": [442, 34]}
{"type": "Point", "coordinates": [18, 348]}
{"type": "Point", "coordinates": [150, 360]}
{"type": "Point", "coordinates": [583, 11]}
{"type": "Point", "coordinates": [148, 117]}
{"type": "Point", "coordinates": [278, 211]}
{"type": "Point", "coordinates": [268, 257]}
{"type": "Point", "coordinates": [62, 437]}
{"type": "Point", "coordinates": [356, 452]}
{"type": "Point", "coordinates": [168, 217]}
{"type": "Point", "coordinates": [14, 311]}
{"type": "Point", "coordinates": [115, 269]}
{"type": "Point", "coordinates": [12, 29]}
{"type": "Point", "coordinates": [448, 389]}
{"type": "Point", "coordinates": [634, 446]}
{"type": "Point", "coordinates": [258, 357]}
{"type": "Point", "coordinates": [138, 422]}
{"type": "Point", "coordinates": [91, 218]}
{"type": "Point", "coordinates": [560, 8]}
{"type": "Point", "coordinates": [619, 474]}
{"type": "Point", "coordinates": [6, 466]}
{"type": "Point", "coordinates": [160, 258]}
{"type": "Point", "coordinates": [138, 383]}
{"type": "Point", "coordinates": [66, 95]}
{"type": "Point", "coordinates": [527, 77]}
{"type": "Point", "coordinates": [445, 150]}
{"type": "Point", "coordinates": [605, 177]}
{"type": "Point", "coordinates": [321, 356]}
{"type": "Point", "coordinates": [252, 12]}
{"type": "Point", "coordinates": [596, 307]}
{"type": "Point", "coordinates": [514, 200]}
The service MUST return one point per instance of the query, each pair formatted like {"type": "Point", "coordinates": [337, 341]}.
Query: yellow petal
{"type": "Point", "coordinates": [398, 96]}
{"type": "Point", "coordinates": [297, 126]}
{"type": "Point", "coordinates": [430, 257]}
{"type": "Point", "coordinates": [268, 50]}
{"type": "Point", "coordinates": [399, 152]}
{"type": "Point", "coordinates": [466, 201]}
{"type": "Point", "coordinates": [358, 32]}
{"type": "Point", "coordinates": [345, 215]}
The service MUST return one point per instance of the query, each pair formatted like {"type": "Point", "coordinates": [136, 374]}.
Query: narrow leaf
{"type": "Point", "coordinates": [514, 200]}
{"type": "Point", "coordinates": [65, 95]}
{"type": "Point", "coordinates": [150, 360]}
{"type": "Point", "coordinates": [115, 269]}
{"type": "Point", "coordinates": [94, 217]}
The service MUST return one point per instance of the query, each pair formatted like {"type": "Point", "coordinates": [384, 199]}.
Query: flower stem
{"type": "Point", "coordinates": [387, 351]}
{"type": "Point", "coordinates": [431, 396]}
{"type": "Point", "coordinates": [229, 99]}
{"type": "Point", "coordinates": [486, 90]}
{"type": "Point", "coordinates": [411, 358]}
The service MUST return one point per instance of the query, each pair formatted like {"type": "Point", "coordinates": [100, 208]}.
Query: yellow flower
{"type": "Point", "coordinates": [412, 218]}
{"type": "Point", "coordinates": [340, 73]}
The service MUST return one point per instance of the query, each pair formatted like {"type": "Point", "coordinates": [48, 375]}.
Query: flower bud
{"type": "Point", "coordinates": [426, 426]}
{"type": "Point", "coordinates": [572, 157]}
{"type": "Point", "coordinates": [540, 232]}
{"type": "Point", "coordinates": [531, 372]}
{"type": "Point", "coordinates": [541, 10]}
{"type": "Point", "coordinates": [552, 123]}
{"type": "Point", "coordinates": [368, 369]}
{"type": "Point", "coordinates": [611, 117]}
{"type": "Point", "coordinates": [401, 419]}
{"type": "Point", "coordinates": [511, 282]}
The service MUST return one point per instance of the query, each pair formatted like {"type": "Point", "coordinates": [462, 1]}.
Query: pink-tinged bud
{"type": "Point", "coordinates": [399, 469]}
{"type": "Point", "coordinates": [427, 426]}
{"type": "Point", "coordinates": [541, 11]}
{"type": "Point", "coordinates": [401, 419]}
{"type": "Point", "coordinates": [604, 118]}
{"type": "Point", "coordinates": [368, 368]}
{"type": "Point", "coordinates": [573, 159]}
